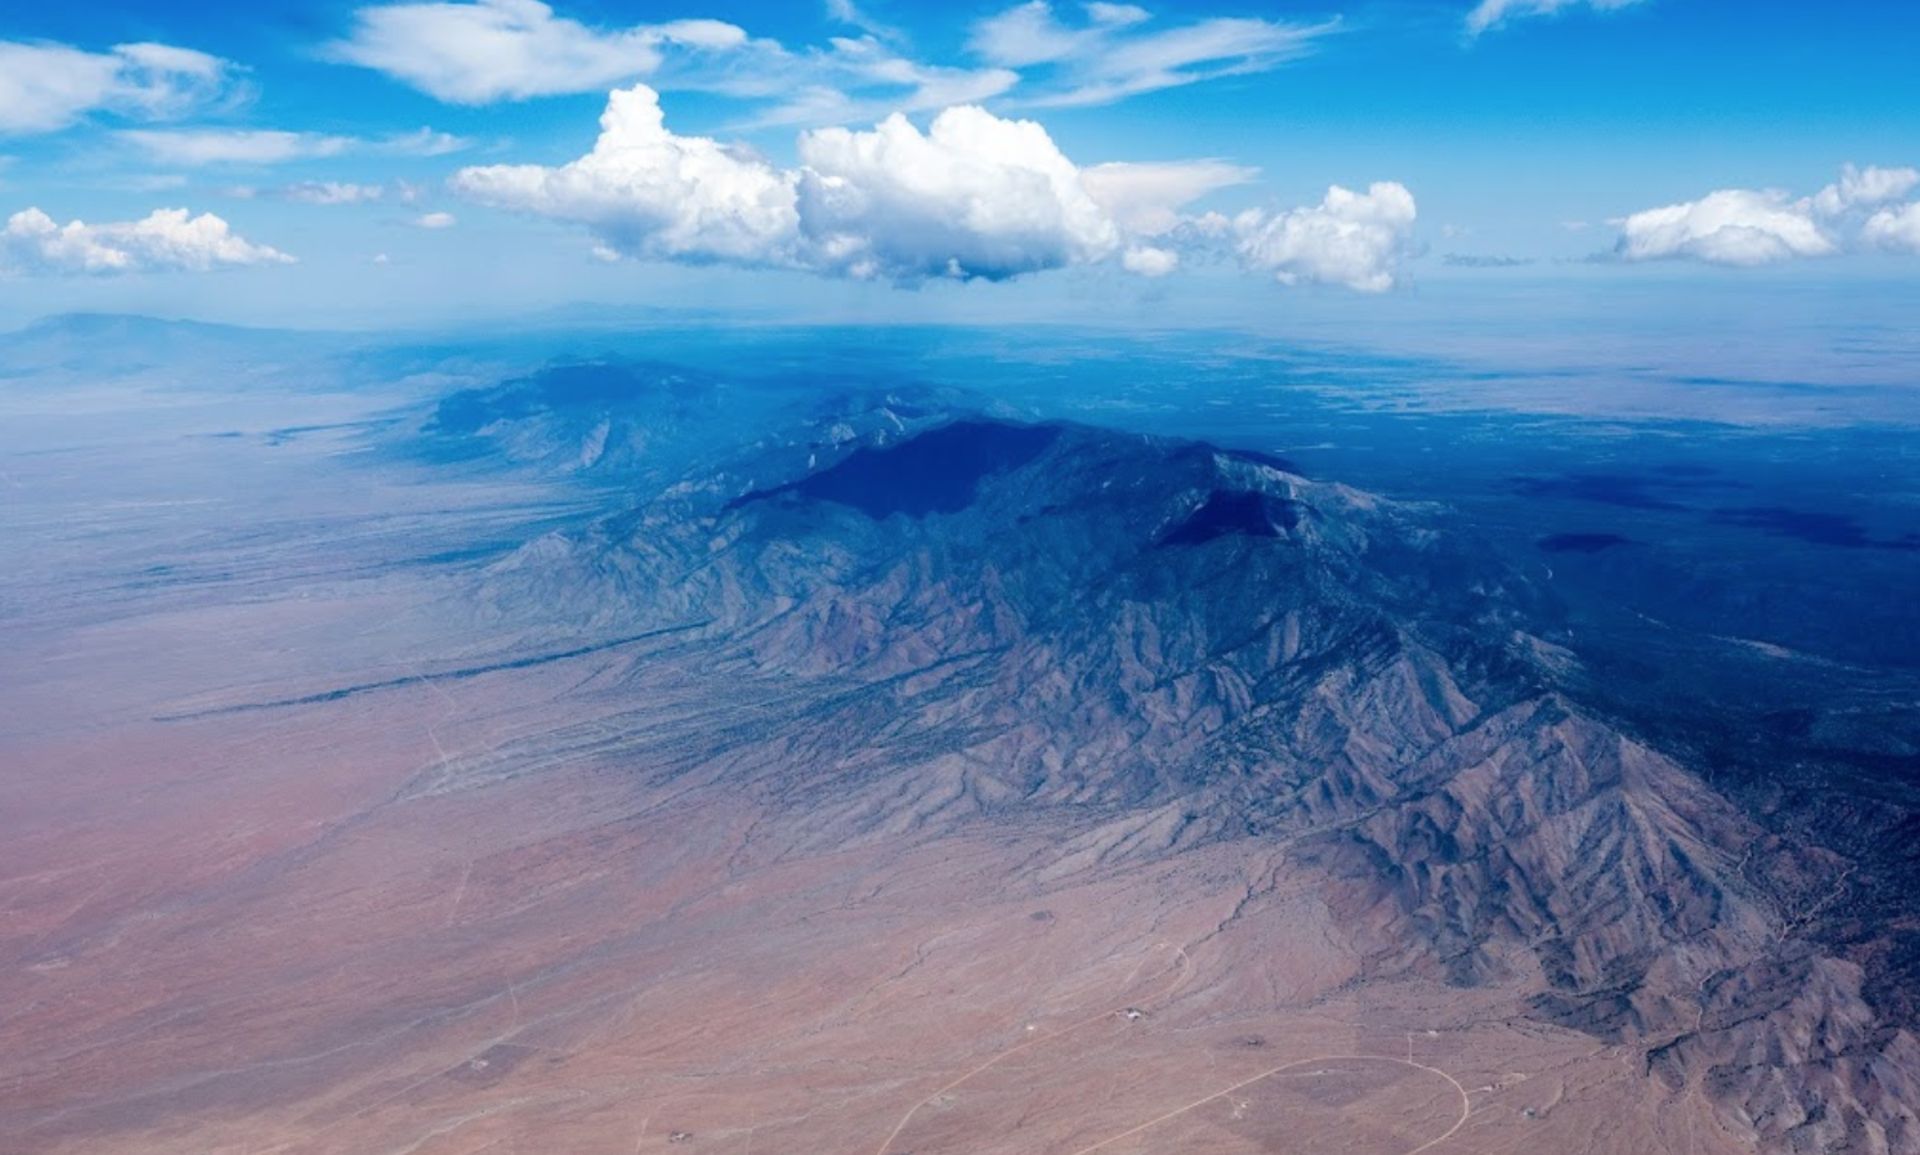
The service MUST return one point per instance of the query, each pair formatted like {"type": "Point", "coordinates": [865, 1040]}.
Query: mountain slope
{"type": "Point", "coordinates": [1166, 645]}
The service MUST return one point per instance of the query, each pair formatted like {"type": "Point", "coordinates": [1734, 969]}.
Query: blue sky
{"type": "Point", "coordinates": [399, 163]}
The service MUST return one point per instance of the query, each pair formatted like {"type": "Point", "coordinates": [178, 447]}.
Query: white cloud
{"type": "Point", "coordinates": [420, 142]}
{"type": "Point", "coordinates": [1149, 261]}
{"type": "Point", "coordinates": [435, 221]}
{"type": "Point", "coordinates": [1145, 199]}
{"type": "Point", "coordinates": [481, 51]}
{"type": "Point", "coordinates": [217, 146]}
{"type": "Point", "coordinates": [1117, 15]}
{"type": "Point", "coordinates": [44, 87]}
{"type": "Point", "coordinates": [852, 79]}
{"type": "Point", "coordinates": [1865, 188]}
{"type": "Point", "coordinates": [1349, 238]}
{"type": "Point", "coordinates": [490, 50]}
{"type": "Point", "coordinates": [974, 196]}
{"type": "Point", "coordinates": [314, 192]}
{"type": "Point", "coordinates": [1746, 227]}
{"type": "Point", "coordinates": [1029, 35]}
{"type": "Point", "coordinates": [1896, 229]}
{"type": "Point", "coordinates": [329, 192]}
{"type": "Point", "coordinates": [165, 240]}
{"type": "Point", "coordinates": [1493, 13]}
{"type": "Point", "coordinates": [233, 146]}
{"type": "Point", "coordinates": [153, 182]}
{"type": "Point", "coordinates": [648, 192]}
{"type": "Point", "coordinates": [1728, 227]}
{"type": "Point", "coordinates": [851, 14]}
{"type": "Point", "coordinates": [1112, 55]}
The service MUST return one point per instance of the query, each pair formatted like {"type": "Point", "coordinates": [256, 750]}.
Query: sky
{"type": "Point", "coordinates": [343, 164]}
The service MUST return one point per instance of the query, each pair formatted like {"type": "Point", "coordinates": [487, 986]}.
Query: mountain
{"type": "Point", "coordinates": [619, 757]}
{"type": "Point", "coordinates": [932, 615]}
{"type": "Point", "coordinates": [114, 343]}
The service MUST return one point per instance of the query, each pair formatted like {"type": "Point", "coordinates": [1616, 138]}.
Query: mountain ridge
{"type": "Point", "coordinates": [1174, 644]}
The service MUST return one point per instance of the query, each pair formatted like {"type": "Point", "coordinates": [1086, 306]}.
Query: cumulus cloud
{"type": "Point", "coordinates": [217, 146]}
{"type": "Point", "coordinates": [1894, 229]}
{"type": "Point", "coordinates": [1114, 53]}
{"type": "Point", "coordinates": [490, 50]}
{"type": "Point", "coordinates": [1728, 227]}
{"type": "Point", "coordinates": [44, 87]}
{"type": "Point", "coordinates": [1493, 13]}
{"type": "Point", "coordinates": [1149, 260]}
{"type": "Point", "coordinates": [435, 221]}
{"type": "Point", "coordinates": [975, 196]}
{"type": "Point", "coordinates": [1748, 227]}
{"type": "Point", "coordinates": [1864, 188]}
{"type": "Point", "coordinates": [1353, 239]}
{"type": "Point", "coordinates": [165, 240]}
{"type": "Point", "coordinates": [648, 192]}
{"type": "Point", "coordinates": [1146, 199]}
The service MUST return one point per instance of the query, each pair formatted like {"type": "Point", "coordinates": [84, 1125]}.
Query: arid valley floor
{"type": "Point", "coordinates": [339, 958]}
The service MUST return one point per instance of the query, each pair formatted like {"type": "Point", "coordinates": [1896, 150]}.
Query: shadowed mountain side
{"type": "Point", "coordinates": [1311, 666]}
{"type": "Point", "coordinates": [939, 471]}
